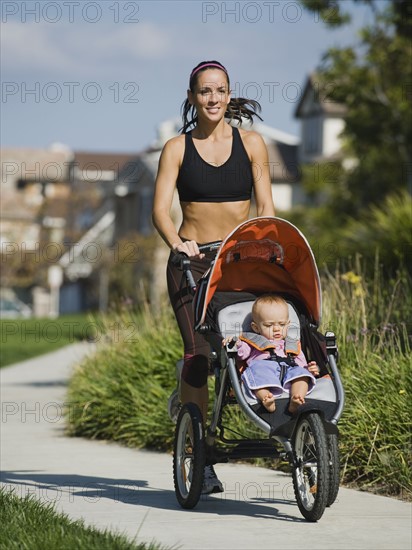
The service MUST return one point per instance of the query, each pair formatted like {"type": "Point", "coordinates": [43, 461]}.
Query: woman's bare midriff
{"type": "Point", "coordinates": [206, 222]}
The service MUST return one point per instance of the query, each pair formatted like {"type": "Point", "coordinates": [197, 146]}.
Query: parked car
{"type": "Point", "coordinates": [14, 309]}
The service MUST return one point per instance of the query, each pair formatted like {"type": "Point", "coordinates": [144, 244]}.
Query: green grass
{"type": "Point", "coordinates": [121, 393]}
{"type": "Point", "coordinates": [28, 524]}
{"type": "Point", "coordinates": [23, 339]}
{"type": "Point", "coordinates": [372, 321]}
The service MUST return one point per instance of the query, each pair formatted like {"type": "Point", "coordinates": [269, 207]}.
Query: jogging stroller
{"type": "Point", "coordinates": [263, 255]}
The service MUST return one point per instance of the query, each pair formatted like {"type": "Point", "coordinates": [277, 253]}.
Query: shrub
{"type": "Point", "coordinates": [370, 320]}
{"type": "Point", "coordinates": [382, 232]}
{"type": "Point", "coordinates": [121, 392]}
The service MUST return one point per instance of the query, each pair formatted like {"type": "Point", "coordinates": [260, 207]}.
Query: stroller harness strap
{"type": "Point", "coordinates": [259, 342]}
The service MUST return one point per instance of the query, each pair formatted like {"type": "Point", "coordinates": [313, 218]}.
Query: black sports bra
{"type": "Point", "coordinates": [199, 181]}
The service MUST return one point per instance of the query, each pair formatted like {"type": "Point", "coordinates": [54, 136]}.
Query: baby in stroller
{"type": "Point", "coordinates": [274, 362]}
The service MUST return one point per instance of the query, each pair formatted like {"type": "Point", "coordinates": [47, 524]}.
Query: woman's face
{"type": "Point", "coordinates": [211, 95]}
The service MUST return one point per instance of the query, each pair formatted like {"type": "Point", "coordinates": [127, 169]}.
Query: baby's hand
{"type": "Point", "coordinates": [313, 368]}
{"type": "Point", "coordinates": [228, 339]}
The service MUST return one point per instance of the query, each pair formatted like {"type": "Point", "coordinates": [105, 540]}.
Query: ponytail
{"type": "Point", "coordinates": [238, 108]}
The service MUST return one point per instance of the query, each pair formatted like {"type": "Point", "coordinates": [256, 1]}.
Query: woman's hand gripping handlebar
{"type": "Point", "coordinates": [182, 260]}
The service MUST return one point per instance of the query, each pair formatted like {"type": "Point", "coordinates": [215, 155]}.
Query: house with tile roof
{"type": "Point", "coordinates": [29, 178]}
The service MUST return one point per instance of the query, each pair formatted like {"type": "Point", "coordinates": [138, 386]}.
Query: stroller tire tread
{"type": "Point", "coordinates": [189, 456]}
{"type": "Point", "coordinates": [311, 473]}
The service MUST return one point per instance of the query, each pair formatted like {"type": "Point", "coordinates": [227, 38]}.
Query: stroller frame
{"type": "Point", "coordinates": [308, 439]}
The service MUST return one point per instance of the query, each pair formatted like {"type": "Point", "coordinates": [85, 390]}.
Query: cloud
{"type": "Point", "coordinates": [79, 49]}
{"type": "Point", "coordinates": [23, 47]}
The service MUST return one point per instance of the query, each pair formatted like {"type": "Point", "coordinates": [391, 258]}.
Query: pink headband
{"type": "Point", "coordinates": [208, 65]}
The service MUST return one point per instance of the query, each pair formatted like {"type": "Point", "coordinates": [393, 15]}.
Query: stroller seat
{"type": "Point", "coordinates": [236, 318]}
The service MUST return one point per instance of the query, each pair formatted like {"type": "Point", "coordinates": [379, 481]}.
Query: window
{"type": "Point", "coordinates": [312, 135]}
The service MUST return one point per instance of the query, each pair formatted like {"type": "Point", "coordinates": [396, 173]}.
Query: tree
{"type": "Point", "coordinates": [374, 81]}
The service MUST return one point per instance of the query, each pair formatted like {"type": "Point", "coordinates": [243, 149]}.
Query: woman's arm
{"type": "Point", "coordinates": [168, 171]}
{"type": "Point", "coordinates": [164, 190]}
{"type": "Point", "coordinates": [261, 174]}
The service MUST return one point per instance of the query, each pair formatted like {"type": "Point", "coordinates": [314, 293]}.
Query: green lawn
{"type": "Point", "coordinates": [23, 339]}
{"type": "Point", "coordinates": [29, 525]}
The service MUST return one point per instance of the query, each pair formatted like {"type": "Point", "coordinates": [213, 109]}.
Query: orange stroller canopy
{"type": "Point", "coordinates": [266, 255]}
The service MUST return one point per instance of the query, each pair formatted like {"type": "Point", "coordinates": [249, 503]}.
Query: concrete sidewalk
{"type": "Point", "coordinates": [132, 491]}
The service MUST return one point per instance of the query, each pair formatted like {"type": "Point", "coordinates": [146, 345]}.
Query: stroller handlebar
{"type": "Point", "coordinates": [182, 261]}
{"type": "Point", "coordinates": [231, 343]}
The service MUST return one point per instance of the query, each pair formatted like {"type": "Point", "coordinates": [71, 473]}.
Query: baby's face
{"type": "Point", "coordinates": [271, 321]}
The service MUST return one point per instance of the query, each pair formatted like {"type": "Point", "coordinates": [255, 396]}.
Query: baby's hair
{"type": "Point", "coordinates": [268, 299]}
{"type": "Point", "coordinates": [238, 108]}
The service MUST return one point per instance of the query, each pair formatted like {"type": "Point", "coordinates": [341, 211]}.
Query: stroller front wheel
{"type": "Point", "coordinates": [334, 468]}
{"type": "Point", "coordinates": [311, 472]}
{"type": "Point", "coordinates": [189, 456]}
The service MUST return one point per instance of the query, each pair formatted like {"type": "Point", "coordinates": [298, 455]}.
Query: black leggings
{"type": "Point", "coordinates": [196, 348]}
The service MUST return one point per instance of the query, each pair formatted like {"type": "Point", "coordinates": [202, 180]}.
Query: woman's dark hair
{"type": "Point", "coordinates": [238, 108]}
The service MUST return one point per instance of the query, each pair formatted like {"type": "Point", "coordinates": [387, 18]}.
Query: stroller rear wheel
{"type": "Point", "coordinates": [189, 456]}
{"type": "Point", "coordinates": [311, 473]}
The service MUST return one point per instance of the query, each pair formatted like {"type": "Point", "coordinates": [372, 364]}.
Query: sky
{"type": "Point", "coordinates": [101, 76]}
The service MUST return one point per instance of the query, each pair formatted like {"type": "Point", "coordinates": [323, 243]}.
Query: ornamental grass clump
{"type": "Point", "coordinates": [372, 324]}
{"type": "Point", "coordinates": [121, 392]}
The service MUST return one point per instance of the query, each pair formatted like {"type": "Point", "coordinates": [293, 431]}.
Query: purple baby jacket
{"type": "Point", "coordinates": [249, 353]}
